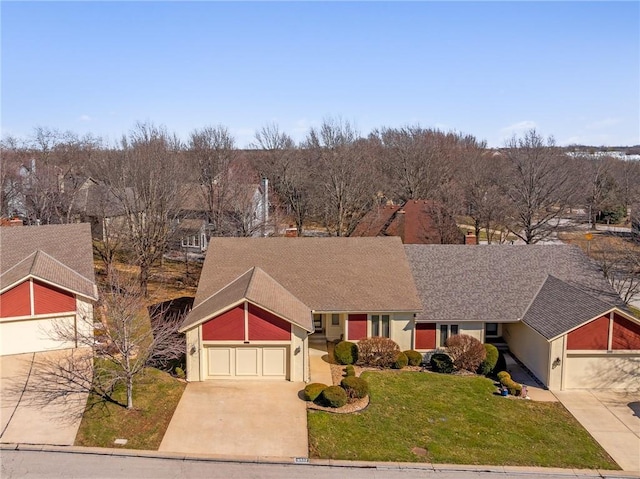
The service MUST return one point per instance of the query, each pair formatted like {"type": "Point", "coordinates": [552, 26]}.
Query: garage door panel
{"type": "Point", "coordinates": [220, 361]}
{"type": "Point", "coordinates": [242, 362]}
{"type": "Point", "coordinates": [247, 362]}
{"type": "Point", "coordinates": [602, 372]}
{"type": "Point", "coordinates": [274, 362]}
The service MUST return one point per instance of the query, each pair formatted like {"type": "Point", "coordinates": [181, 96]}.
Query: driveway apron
{"type": "Point", "coordinates": [239, 419]}
{"type": "Point", "coordinates": [23, 417]}
{"type": "Point", "coordinates": [612, 418]}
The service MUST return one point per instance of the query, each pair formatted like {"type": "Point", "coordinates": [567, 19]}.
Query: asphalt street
{"type": "Point", "coordinates": [16, 464]}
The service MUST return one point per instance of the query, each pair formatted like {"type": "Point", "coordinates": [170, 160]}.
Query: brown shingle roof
{"type": "Point", "coordinates": [497, 283]}
{"type": "Point", "coordinates": [59, 254]}
{"type": "Point", "coordinates": [326, 274]}
{"type": "Point", "coordinates": [259, 288]}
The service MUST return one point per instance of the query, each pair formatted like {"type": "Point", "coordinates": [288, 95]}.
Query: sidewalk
{"type": "Point", "coordinates": [319, 368]}
{"type": "Point", "coordinates": [535, 390]}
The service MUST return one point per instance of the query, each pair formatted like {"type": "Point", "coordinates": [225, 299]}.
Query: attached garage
{"type": "Point", "coordinates": [251, 329]}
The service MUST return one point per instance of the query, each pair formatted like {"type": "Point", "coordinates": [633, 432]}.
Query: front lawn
{"type": "Point", "coordinates": [457, 420]}
{"type": "Point", "coordinates": [155, 397]}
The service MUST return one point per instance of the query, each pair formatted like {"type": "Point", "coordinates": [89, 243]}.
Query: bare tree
{"type": "Point", "coordinates": [619, 260]}
{"type": "Point", "coordinates": [144, 176]}
{"type": "Point", "coordinates": [286, 168]}
{"type": "Point", "coordinates": [539, 186]}
{"type": "Point", "coordinates": [212, 152]}
{"type": "Point", "coordinates": [123, 344]}
{"type": "Point", "coordinates": [343, 175]}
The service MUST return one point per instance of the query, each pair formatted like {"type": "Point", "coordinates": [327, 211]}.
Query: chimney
{"type": "Point", "coordinates": [265, 205]}
{"type": "Point", "coordinates": [291, 232]}
{"type": "Point", "coordinates": [401, 219]}
{"type": "Point", "coordinates": [470, 238]}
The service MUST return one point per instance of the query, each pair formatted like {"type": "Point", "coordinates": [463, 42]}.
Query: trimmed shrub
{"type": "Point", "coordinates": [514, 388]}
{"type": "Point", "coordinates": [377, 352]}
{"type": "Point", "coordinates": [502, 375]}
{"type": "Point", "coordinates": [334, 396]}
{"type": "Point", "coordinates": [349, 371]}
{"type": "Point", "coordinates": [355, 388]}
{"type": "Point", "coordinates": [401, 361]}
{"type": "Point", "coordinates": [313, 390]}
{"type": "Point", "coordinates": [466, 352]}
{"type": "Point", "coordinates": [345, 352]}
{"type": "Point", "coordinates": [180, 373]}
{"type": "Point", "coordinates": [501, 365]}
{"type": "Point", "coordinates": [441, 363]}
{"type": "Point", "coordinates": [490, 361]}
{"type": "Point", "coordinates": [414, 357]}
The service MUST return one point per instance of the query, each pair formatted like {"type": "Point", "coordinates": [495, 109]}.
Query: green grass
{"type": "Point", "coordinates": [155, 397]}
{"type": "Point", "coordinates": [634, 310]}
{"type": "Point", "coordinates": [458, 420]}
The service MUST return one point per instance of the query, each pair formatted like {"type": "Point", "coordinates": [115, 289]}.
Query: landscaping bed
{"type": "Point", "coordinates": [455, 419]}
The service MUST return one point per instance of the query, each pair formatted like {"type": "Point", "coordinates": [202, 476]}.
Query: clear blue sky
{"type": "Point", "coordinates": [490, 69]}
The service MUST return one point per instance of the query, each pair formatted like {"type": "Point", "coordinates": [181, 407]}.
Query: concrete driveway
{"type": "Point", "coordinates": [24, 419]}
{"type": "Point", "coordinates": [244, 419]}
{"type": "Point", "coordinates": [612, 418]}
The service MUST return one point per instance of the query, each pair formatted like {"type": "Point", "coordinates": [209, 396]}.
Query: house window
{"type": "Point", "coordinates": [380, 325]}
{"type": "Point", "coordinates": [491, 329]}
{"type": "Point", "coordinates": [335, 320]}
{"type": "Point", "coordinates": [447, 330]}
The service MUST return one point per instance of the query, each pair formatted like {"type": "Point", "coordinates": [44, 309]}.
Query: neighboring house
{"type": "Point", "coordinates": [549, 303]}
{"type": "Point", "coordinates": [46, 278]}
{"type": "Point", "coordinates": [192, 235]}
{"type": "Point", "coordinates": [259, 299]}
{"type": "Point", "coordinates": [95, 204]}
{"type": "Point", "coordinates": [415, 222]}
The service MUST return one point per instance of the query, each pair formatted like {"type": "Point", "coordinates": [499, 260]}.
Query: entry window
{"type": "Point", "coordinates": [380, 325]}
{"type": "Point", "coordinates": [335, 320]}
{"type": "Point", "coordinates": [317, 322]}
{"type": "Point", "coordinates": [491, 329]}
{"type": "Point", "coordinates": [447, 330]}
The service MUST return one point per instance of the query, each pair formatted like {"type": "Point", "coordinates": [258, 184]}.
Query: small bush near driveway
{"type": "Point", "coordinates": [345, 352]}
{"type": "Point", "coordinates": [377, 352]}
{"type": "Point", "coordinates": [457, 420]}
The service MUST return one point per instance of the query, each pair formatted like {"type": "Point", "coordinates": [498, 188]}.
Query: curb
{"type": "Point", "coordinates": [249, 459]}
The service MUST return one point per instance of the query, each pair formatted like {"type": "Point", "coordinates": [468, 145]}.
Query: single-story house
{"type": "Point", "coordinates": [259, 300]}
{"type": "Point", "coordinates": [46, 277]}
{"type": "Point", "coordinates": [192, 235]}
{"type": "Point", "coordinates": [549, 303]}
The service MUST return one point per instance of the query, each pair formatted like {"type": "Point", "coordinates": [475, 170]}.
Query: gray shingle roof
{"type": "Point", "coordinates": [59, 254]}
{"type": "Point", "coordinates": [260, 289]}
{"type": "Point", "coordinates": [559, 307]}
{"type": "Point", "coordinates": [497, 283]}
{"type": "Point", "coordinates": [326, 274]}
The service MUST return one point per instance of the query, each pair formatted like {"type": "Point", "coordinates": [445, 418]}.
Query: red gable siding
{"type": "Point", "coordinates": [229, 326]}
{"type": "Point", "coordinates": [425, 335]}
{"type": "Point", "coordinates": [16, 301]}
{"type": "Point", "coordinates": [264, 326]}
{"type": "Point", "coordinates": [626, 334]}
{"type": "Point", "coordinates": [357, 327]}
{"type": "Point", "coordinates": [591, 336]}
{"type": "Point", "coordinates": [48, 300]}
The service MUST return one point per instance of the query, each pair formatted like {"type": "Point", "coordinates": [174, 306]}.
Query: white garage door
{"type": "Point", "coordinates": [244, 362]}
{"type": "Point", "coordinates": [593, 371]}
{"type": "Point", "coordinates": [31, 335]}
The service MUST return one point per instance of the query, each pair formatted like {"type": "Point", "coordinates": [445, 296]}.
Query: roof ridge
{"type": "Point", "coordinates": [60, 263]}
{"type": "Point", "coordinates": [225, 287]}
{"type": "Point", "coordinates": [19, 263]}
{"type": "Point", "coordinates": [535, 296]}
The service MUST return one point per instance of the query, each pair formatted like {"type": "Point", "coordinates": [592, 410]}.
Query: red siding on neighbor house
{"type": "Point", "coordinates": [357, 328]}
{"type": "Point", "coordinates": [626, 334]}
{"type": "Point", "coordinates": [425, 336]}
{"type": "Point", "coordinates": [228, 326]}
{"type": "Point", "coordinates": [264, 326]}
{"type": "Point", "coordinates": [16, 301]}
{"type": "Point", "coordinates": [591, 336]}
{"type": "Point", "coordinates": [48, 299]}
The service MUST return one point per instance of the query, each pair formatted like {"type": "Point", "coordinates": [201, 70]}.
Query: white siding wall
{"type": "Point", "coordinates": [333, 332]}
{"type": "Point", "coordinates": [193, 354]}
{"type": "Point", "coordinates": [402, 326]}
{"type": "Point", "coordinates": [529, 347]}
{"type": "Point", "coordinates": [300, 361]}
{"type": "Point", "coordinates": [85, 317]}
{"type": "Point", "coordinates": [31, 335]}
